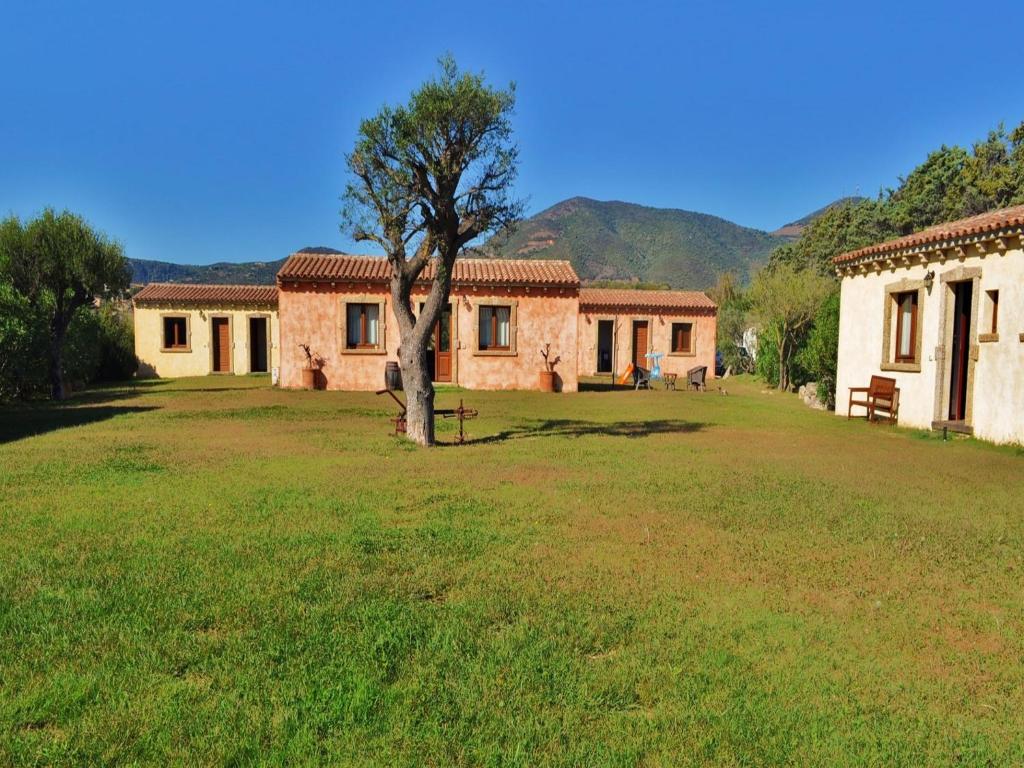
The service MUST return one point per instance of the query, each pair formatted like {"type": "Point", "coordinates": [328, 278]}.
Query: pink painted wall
{"type": "Point", "coordinates": [314, 316]}
{"type": "Point", "coordinates": [705, 328]}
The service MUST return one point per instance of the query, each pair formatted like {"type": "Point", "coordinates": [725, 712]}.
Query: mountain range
{"type": "Point", "coordinates": [605, 241]}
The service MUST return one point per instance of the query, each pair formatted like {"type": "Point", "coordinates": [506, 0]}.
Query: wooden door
{"type": "Point", "coordinates": [605, 342]}
{"type": "Point", "coordinates": [221, 345]}
{"type": "Point", "coordinates": [640, 343]}
{"type": "Point", "coordinates": [960, 350]}
{"type": "Point", "coordinates": [258, 347]}
{"type": "Point", "coordinates": [443, 346]}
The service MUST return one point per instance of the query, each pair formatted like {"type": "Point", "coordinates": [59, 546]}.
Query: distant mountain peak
{"type": "Point", "coordinates": [796, 228]}
{"type": "Point", "coordinates": [621, 241]}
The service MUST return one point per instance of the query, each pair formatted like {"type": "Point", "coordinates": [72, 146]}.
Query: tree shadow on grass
{"type": "Point", "coordinates": [17, 423]}
{"type": "Point", "coordinates": [573, 428]}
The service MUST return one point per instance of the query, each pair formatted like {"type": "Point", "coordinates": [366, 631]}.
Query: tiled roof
{"type": "Point", "coordinates": [981, 224]}
{"type": "Point", "coordinates": [342, 267]}
{"type": "Point", "coordinates": [624, 298]}
{"type": "Point", "coordinates": [185, 293]}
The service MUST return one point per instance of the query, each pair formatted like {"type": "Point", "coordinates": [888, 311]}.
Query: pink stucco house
{"type": "Point", "coordinates": [617, 327]}
{"type": "Point", "coordinates": [501, 312]}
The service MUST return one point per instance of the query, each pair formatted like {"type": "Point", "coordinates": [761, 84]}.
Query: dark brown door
{"type": "Point", "coordinates": [605, 342]}
{"type": "Point", "coordinates": [221, 345]}
{"type": "Point", "coordinates": [258, 345]}
{"type": "Point", "coordinates": [443, 346]}
{"type": "Point", "coordinates": [960, 350]}
{"type": "Point", "coordinates": [640, 343]}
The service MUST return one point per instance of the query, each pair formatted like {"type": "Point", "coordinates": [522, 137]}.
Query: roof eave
{"type": "Point", "coordinates": [930, 250]}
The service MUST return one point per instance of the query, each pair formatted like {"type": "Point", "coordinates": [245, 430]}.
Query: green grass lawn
{"type": "Point", "coordinates": [210, 571]}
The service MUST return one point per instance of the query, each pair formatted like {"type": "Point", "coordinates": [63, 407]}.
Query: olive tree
{"type": "Point", "coordinates": [427, 179]}
{"type": "Point", "coordinates": [786, 300]}
{"type": "Point", "coordinates": [59, 264]}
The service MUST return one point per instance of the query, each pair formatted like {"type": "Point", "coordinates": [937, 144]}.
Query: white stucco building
{"type": "Point", "coordinates": [942, 312]}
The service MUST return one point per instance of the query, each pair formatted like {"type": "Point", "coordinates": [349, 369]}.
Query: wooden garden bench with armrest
{"type": "Point", "coordinates": [880, 396]}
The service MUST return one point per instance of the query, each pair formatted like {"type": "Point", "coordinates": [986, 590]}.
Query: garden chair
{"type": "Point", "coordinates": [695, 377]}
{"type": "Point", "coordinates": [880, 396]}
{"type": "Point", "coordinates": [641, 378]}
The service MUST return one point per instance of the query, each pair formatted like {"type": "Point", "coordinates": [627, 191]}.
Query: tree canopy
{"type": "Point", "coordinates": [58, 264]}
{"type": "Point", "coordinates": [427, 179]}
{"type": "Point", "coordinates": [951, 183]}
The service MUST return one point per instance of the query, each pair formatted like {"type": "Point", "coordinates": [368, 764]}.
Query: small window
{"type": "Point", "coordinates": [362, 323]}
{"type": "Point", "coordinates": [494, 332]}
{"type": "Point", "coordinates": [993, 311]}
{"type": "Point", "coordinates": [906, 327]}
{"type": "Point", "coordinates": [175, 333]}
{"type": "Point", "coordinates": [682, 338]}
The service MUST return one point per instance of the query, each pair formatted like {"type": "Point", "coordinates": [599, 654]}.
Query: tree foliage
{"type": "Point", "coordinates": [733, 308]}
{"type": "Point", "coordinates": [951, 183]}
{"type": "Point", "coordinates": [818, 357]}
{"type": "Point", "coordinates": [428, 178]}
{"type": "Point", "coordinates": [51, 268]}
{"type": "Point", "coordinates": [784, 300]}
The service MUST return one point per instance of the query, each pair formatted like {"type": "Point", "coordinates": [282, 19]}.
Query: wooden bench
{"type": "Point", "coordinates": [880, 396]}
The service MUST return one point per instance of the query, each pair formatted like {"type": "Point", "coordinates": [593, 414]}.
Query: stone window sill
{"type": "Point", "coordinates": [375, 351]}
{"type": "Point", "coordinates": [494, 353]}
{"type": "Point", "coordinates": [901, 367]}
{"type": "Point", "coordinates": [682, 354]}
{"type": "Point", "coordinates": [987, 337]}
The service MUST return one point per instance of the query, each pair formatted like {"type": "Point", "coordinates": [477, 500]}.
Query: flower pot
{"type": "Point", "coordinates": [308, 378]}
{"type": "Point", "coordinates": [547, 381]}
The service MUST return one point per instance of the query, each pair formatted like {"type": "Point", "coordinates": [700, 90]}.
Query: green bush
{"type": "Point", "coordinates": [22, 346]}
{"type": "Point", "coordinates": [99, 347]}
{"type": "Point", "coordinates": [820, 353]}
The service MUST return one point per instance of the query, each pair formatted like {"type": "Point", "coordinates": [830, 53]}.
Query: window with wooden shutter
{"type": "Point", "coordinates": [682, 338]}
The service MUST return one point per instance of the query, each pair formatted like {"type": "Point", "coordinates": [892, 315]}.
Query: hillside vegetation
{"type": "Point", "coordinates": [623, 241]}
{"type": "Point", "coordinates": [222, 273]}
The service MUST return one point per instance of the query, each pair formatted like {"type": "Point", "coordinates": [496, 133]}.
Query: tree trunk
{"type": "Point", "coordinates": [419, 394]}
{"type": "Point", "coordinates": [783, 373]}
{"type": "Point", "coordinates": [56, 365]}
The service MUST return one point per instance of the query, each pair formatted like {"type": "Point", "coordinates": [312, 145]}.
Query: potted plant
{"type": "Point", "coordinates": [547, 376]}
{"type": "Point", "coordinates": [314, 363]}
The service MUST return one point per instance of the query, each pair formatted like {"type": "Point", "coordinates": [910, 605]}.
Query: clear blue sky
{"type": "Point", "coordinates": [201, 132]}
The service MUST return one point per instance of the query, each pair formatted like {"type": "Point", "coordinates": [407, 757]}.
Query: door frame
{"type": "Point", "coordinates": [231, 343]}
{"type": "Point", "coordinates": [598, 319]}
{"type": "Point", "coordinates": [632, 340]}
{"type": "Point", "coordinates": [248, 335]}
{"type": "Point", "coordinates": [944, 351]}
{"type": "Point", "coordinates": [453, 336]}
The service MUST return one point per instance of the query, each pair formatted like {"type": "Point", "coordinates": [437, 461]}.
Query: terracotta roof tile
{"type": "Point", "coordinates": [624, 298]}
{"type": "Point", "coordinates": [186, 293]}
{"type": "Point", "coordinates": [981, 224]}
{"type": "Point", "coordinates": [337, 267]}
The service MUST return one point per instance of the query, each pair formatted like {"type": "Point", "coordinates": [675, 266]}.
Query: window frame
{"type": "Point", "coordinates": [991, 317]}
{"type": "Point", "coordinates": [900, 298]}
{"type": "Point", "coordinates": [187, 346]}
{"type": "Point", "coordinates": [490, 303]}
{"type": "Point", "coordinates": [691, 349]}
{"type": "Point", "coordinates": [892, 326]}
{"type": "Point", "coordinates": [363, 348]}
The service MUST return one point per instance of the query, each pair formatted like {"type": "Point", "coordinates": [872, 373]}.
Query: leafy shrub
{"type": "Point", "coordinates": [820, 353]}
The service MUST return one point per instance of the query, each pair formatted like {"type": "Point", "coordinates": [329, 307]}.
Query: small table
{"type": "Point", "coordinates": [670, 381]}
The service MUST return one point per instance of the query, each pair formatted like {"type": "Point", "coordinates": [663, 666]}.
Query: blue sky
{"type": "Point", "coordinates": [200, 132]}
